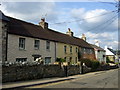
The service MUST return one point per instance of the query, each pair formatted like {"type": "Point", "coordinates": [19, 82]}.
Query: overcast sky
{"type": "Point", "coordinates": [95, 19]}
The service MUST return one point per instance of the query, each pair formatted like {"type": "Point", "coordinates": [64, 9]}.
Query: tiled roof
{"type": "Point", "coordinates": [19, 27]}
{"type": "Point", "coordinates": [98, 48]}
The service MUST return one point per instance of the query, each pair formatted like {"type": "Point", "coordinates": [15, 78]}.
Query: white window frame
{"type": "Point", "coordinates": [48, 45]}
{"type": "Point", "coordinates": [22, 43]}
{"type": "Point", "coordinates": [36, 44]}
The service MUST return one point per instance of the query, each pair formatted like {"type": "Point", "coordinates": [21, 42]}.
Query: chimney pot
{"type": "Point", "coordinates": [43, 24]}
{"type": "Point", "coordinates": [69, 32]}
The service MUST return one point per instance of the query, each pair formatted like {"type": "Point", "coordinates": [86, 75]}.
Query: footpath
{"type": "Point", "coordinates": [22, 84]}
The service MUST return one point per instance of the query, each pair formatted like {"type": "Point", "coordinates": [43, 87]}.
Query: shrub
{"type": "Point", "coordinates": [87, 62]}
{"type": "Point", "coordinates": [60, 60]}
{"type": "Point", "coordinates": [107, 60]}
{"type": "Point", "coordinates": [95, 64]}
{"type": "Point", "coordinates": [91, 63]}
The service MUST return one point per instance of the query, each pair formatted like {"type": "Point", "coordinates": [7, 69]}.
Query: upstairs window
{"type": "Point", "coordinates": [21, 43]}
{"type": "Point", "coordinates": [70, 49]}
{"type": "Point", "coordinates": [76, 49]}
{"type": "Point", "coordinates": [47, 45]}
{"type": "Point", "coordinates": [65, 49]}
{"type": "Point", "coordinates": [36, 44]}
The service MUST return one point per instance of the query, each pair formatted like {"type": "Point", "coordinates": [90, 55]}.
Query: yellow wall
{"type": "Point", "coordinates": [61, 54]}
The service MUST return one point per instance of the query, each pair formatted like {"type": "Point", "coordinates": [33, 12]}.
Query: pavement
{"type": "Point", "coordinates": [22, 84]}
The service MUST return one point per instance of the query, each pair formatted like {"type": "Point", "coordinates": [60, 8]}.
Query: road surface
{"type": "Point", "coordinates": [104, 79]}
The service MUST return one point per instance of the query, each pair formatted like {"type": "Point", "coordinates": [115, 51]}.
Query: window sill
{"type": "Point", "coordinates": [48, 50]}
{"type": "Point", "coordinates": [22, 50]}
{"type": "Point", "coordinates": [36, 49]}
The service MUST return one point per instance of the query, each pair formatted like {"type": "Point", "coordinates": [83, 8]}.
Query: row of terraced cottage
{"type": "Point", "coordinates": [26, 42]}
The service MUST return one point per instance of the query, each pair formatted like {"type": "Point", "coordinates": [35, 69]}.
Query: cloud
{"type": "Point", "coordinates": [30, 11]}
{"type": "Point", "coordinates": [109, 39]}
{"type": "Point", "coordinates": [96, 21]}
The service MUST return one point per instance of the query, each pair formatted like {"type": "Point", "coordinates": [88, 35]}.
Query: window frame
{"type": "Point", "coordinates": [21, 59]}
{"type": "Point", "coordinates": [65, 49]}
{"type": "Point", "coordinates": [22, 43]}
{"type": "Point", "coordinates": [70, 49]}
{"type": "Point", "coordinates": [48, 45]}
{"type": "Point", "coordinates": [36, 44]}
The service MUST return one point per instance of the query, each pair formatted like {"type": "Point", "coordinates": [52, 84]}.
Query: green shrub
{"type": "Point", "coordinates": [87, 62]}
{"type": "Point", "coordinates": [95, 64]}
{"type": "Point", "coordinates": [107, 60]}
{"type": "Point", "coordinates": [91, 63]}
{"type": "Point", "coordinates": [60, 60]}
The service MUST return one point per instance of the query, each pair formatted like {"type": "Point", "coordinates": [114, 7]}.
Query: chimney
{"type": "Point", "coordinates": [69, 32]}
{"type": "Point", "coordinates": [97, 43]}
{"type": "Point", "coordinates": [84, 37]}
{"type": "Point", "coordinates": [43, 24]}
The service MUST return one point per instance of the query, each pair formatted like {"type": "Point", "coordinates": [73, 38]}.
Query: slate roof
{"type": "Point", "coordinates": [114, 52]}
{"type": "Point", "coordinates": [19, 27]}
{"type": "Point", "coordinates": [3, 17]}
{"type": "Point", "coordinates": [99, 48]}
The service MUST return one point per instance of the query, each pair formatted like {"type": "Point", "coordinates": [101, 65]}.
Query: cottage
{"type": "Point", "coordinates": [110, 54]}
{"type": "Point", "coordinates": [100, 53]}
{"type": "Point", "coordinates": [26, 42]}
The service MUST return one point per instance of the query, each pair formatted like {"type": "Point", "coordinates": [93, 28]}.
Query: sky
{"type": "Point", "coordinates": [97, 20]}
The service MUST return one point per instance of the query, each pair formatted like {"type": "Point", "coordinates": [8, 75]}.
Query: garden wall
{"type": "Point", "coordinates": [19, 73]}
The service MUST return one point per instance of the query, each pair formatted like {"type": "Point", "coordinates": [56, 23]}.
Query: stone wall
{"type": "Point", "coordinates": [22, 73]}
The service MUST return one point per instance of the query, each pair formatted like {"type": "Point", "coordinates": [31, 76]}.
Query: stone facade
{"type": "Point", "coordinates": [22, 73]}
{"type": "Point", "coordinates": [0, 41]}
{"type": "Point", "coordinates": [14, 51]}
{"type": "Point", "coordinates": [3, 38]}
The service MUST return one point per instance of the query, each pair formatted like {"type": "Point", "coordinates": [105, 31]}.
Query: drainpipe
{"type": "Point", "coordinates": [55, 51]}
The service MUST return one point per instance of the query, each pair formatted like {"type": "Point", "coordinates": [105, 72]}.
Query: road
{"type": "Point", "coordinates": [104, 79]}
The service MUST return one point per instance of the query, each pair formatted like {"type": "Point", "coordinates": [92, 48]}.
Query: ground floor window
{"type": "Point", "coordinates": [21, 59]}
{"type": "Point", "coordinates": [76, 60]}
{"type": "Point", "coordinates": [47, 60]}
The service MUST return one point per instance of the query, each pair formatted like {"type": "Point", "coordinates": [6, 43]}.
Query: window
{"type": "Point", "coordinates": [21, 59]}
{"type": "Point", "coordinates": [70, 49]}
{"type": "Point", "coordinates": [48, 45]}
{"type": "Point", "coordinates": [91, 51]}
{"type": "Point", "coordinates": [70, 59]}
{"type": "Point", "coordinates": [21, 43]}
{"type": "Point", "coordinates": [47, 60]}
{"type": "Point", "coordinates": [65, 58]}
{"type": "Point", "coordinates": [84, 50]}
{"type": "Point", "coordinates": [76, 49]}
{"type": "Point", "coordinates": [76, 60]}
{"type": "Point", "coordinates": [35, 58]}
{"type": "Point", "coordinates": [65, 49]}
{"type": "Point", "coordinates": [36, 44]}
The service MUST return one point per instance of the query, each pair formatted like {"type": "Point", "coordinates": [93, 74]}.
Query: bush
{"type": "Point", "coordinates": [87, 62]}
{"type": "Point", "coordinates": [91, 63]}
{"type": "Point", "coordinates": [95, 64]}
{"type": "Point", "coordinates": [107, 60]}
{"type": "Point", "coordinates": [60, 60]}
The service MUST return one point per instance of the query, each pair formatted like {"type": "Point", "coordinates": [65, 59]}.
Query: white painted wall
{"type": "Point", "coordinates": [14, 52]}
{"type": "Point", "coordinates": [108, 52]}
{"type": "Point", "coordinates": [99, 56]}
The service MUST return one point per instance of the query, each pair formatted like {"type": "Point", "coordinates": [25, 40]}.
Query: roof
{"type": "Point", "coordinates": [114, 51]}
{"type": "Point", "coordinates": [96, 47]}
{"type": "Point", "coordinates": [117, 52]}
{"type": "Point", "coordinates": [111, 50]}
{"type": "Point", "coordinates": [3, 17]}
{"type": "Point", "coordinates": [19, 27]}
